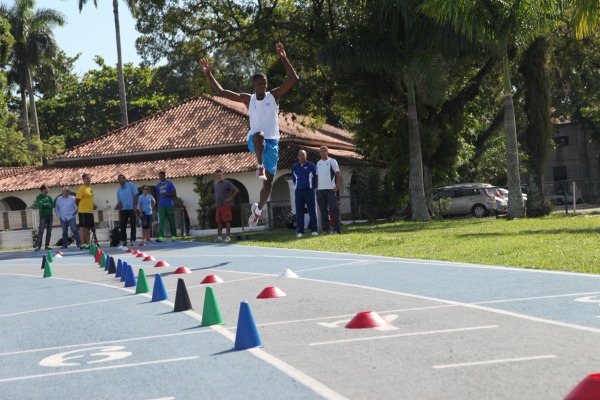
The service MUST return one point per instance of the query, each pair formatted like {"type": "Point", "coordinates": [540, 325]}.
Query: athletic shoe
{"type": "Point", "coordinates": [36, 249]}
{"type": "Point", "coordinates": [81, 247]}
{"type": "Point", "coordinates": [254, 215]}
{"type": "Point", "coordinates": [160, 239]}
{"type": "Point", "coordinates": [124, 244]}
{"type": "Point", "coordinates": [260, 173]}
{"type": "Point", "coordinates": [132, 243]}
{"type": "Point", "coordinates": [63, 247]}
{"type": "Point", "coordinates": [219, 239]}
{"type": "Point", "coordinates": [148, 240]}
{"type": "Point", "coordinates": [299, 235]}
{"type": "Point", "coordinates": [227, 239]}
{"type": "Point", "coordinates": [314, 233]}
{"type": "Point", "coordinates": [48, 248]}
{"type": "Point", "coordinates": [173, 238]}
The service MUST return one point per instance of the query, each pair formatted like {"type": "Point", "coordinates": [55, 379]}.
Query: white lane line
{"type": "Point", "coordinates": [65, 306]}
{"type": "Point", "coordinates": [292, 372]}
{"type": "Point", "coordinates": [79, 371]}
{"type": "Point", "coordinates": [333, 266]}
{"type": "Point", "coordinates": [473, 328]}
{"type": "Point", "coordinates": [70, 346]}
{"type": "Point", "coordinates": [536, 298]}
{"type": "Point", "coordinates": [498, 361]}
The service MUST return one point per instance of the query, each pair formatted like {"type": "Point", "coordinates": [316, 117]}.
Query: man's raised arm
{"type": "Point", "coordinates": [292, 76]}
{"type": "Point", "coordinates": [228, 94]}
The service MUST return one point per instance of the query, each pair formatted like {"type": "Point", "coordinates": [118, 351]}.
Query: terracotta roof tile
{"type": "Point", "coordinates": [147, 170]}
{"type": "Point", "coordinates": [200, 123]}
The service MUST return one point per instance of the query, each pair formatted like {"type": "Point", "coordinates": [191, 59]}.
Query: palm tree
{"type": "Point", "coordinates": [34, 45]}
{"type": "Point", "coordinates": [586, 17]}
{"type": "Point", "coordinates": [392, 43]}
{"type": "Point", "coordinates": [499, 25]}
{"type": "Point", "coordinates": [132, 5]}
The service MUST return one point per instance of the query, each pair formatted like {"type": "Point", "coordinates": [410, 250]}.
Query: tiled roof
{"type": "Point", "coordinates": [202, 125]}
{"type": "Point", "coordinates": [54, 176]}
{"type": "Point", "coordinates": [9, 171]}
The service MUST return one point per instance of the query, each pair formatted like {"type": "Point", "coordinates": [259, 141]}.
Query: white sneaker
{"type": "Point", "coordinates": [219, 239]}
{"type": "Point", "coordinates": [260, 173]}
{"type": "Point", "coordinates": [227, 239]}
{"type": "Point", "coordinates": [315, 233]}
{"type": "Point", "coordinates": [254, 215]}
{"type": "Point", "coordinates": [132, 243]}
{"type": "Point", "coordinates": [299, 235]}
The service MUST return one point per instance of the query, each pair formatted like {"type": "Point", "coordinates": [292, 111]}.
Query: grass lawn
{"type": "Point", "coordinates": [565, 242]}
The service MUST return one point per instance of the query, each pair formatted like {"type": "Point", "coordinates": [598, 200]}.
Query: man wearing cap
{"type": "Point", "coordinates": [45, 205]}
{"type": "Point", "coordinates": [66, 211]}
{"type": "Point", "coordinates": [85, 203]}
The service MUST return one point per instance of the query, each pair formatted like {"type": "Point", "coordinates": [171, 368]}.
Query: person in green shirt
{"type": "Point", "coordinates": [45, 205]}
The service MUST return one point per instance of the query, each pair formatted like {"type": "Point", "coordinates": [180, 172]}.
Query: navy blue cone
{"type": "Point", "coordinates": [119, 269]}
{"type": "Point", "coordinates": [159, 293]}
{"type": "Point", "coordinates": [44, 261]}
{"type": "Point", "coordinates": [112, 269]}
{"type": "Point", "coordinates": [130, 281]}
{"type": "Point", "coordinates": [124, 271]}
{"type": "Point", "coordinates": [246, 335]}
{"type": "Point", "coordinates": [106, 263]}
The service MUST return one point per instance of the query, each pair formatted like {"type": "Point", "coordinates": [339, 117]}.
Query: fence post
{"type": "Point", "coordinates": [574, 197]}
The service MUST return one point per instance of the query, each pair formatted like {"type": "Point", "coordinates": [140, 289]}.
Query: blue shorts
{"type": "Point", "coordinates": [270, 153]}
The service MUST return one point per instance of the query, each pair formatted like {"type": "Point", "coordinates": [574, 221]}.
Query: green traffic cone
{"type": "Point", "coordinates": [47, 270]}
{"type": "Point", "coordinates": [103, 260]}
{"type": "Point", "coordinates": [211, 315]}
{"type": "Point", "coordinates": [49, 256]}
{"type": "Point", "coordinates": [92, 249]}
{"type": "Point", "coordinates": [142, 283]}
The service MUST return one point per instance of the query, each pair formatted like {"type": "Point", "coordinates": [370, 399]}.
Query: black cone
{"type": "Point", "coordinates": [182, 299]}
{"type": "Point", "coordinates": [43, 262]}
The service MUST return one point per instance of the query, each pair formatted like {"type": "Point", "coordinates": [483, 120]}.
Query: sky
{"type": "Point", "coordinates": [93, 32]}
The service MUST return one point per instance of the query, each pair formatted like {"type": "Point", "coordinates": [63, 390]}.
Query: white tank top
{"type": "Point", "coordinates": [264, 116]}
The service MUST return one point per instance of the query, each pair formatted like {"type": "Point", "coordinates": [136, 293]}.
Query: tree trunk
{"type": "Point", "coordinates": [418, 204]}
{"type": "Point", "coordinates": [121, 77]}
{"type": "Point", "coordinates": [32, 107]}
{"type": "Point", "coordinates": [24, 112]}
{"type": "Point", "coordinates": [515, 196]}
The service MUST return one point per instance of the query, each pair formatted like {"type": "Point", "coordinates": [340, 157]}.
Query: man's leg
{"type": "Point", "coordinates": [258, 140]}
{"type": "Point", "coordinates": [38, 242]}
{"type": "Point", "coordinates": [312, 212]}
{"type": "Point", "coordinates": [299, 203]}
{"type": "Point", "coordinates": [322, 202]}
{"type": "Point", "coordinates": [161, 222]}
{"type": "Point", "coordinates": [74, 230]}
{"type": "Point", "coordinates": [228, 228]}
{"type": "Point", "coordinates": [123, 225]}
{"type": "Point", "coordinates": [219, 228]}
{"type": "Point", "coordinates": [65, 233]}
{"type": "Point", "coordinates": [265, 192]}
{"type": "Point", "coordinates": [171, 216]}
{"type": "Point", "coordinates": [335, 210]}
{"type": "Point", "coordinates": [133, 224]}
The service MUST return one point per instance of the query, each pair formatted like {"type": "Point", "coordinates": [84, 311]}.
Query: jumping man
{"type": "Point", "coordinates": [263, 137]}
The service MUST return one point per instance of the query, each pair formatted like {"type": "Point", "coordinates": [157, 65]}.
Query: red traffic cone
{"type": "Point", "coordinates": [135, 252]}
{"type": "Point", "coordinates": [271, 292]}
{"type": "Point", "coordinates": [149, 258]}
{"type": "Point", "coordinates": [161, 264]}
{"type": "Point", "coordinates": [212, 279]}
{"type": "Point", "coordinates": [182, 270]}
{"type": "Point", "coordinates": [366, 319]}
{"type": "Point", "coordinates": [588, 389]}
{"type": "Point", "coordinates": [129, 250]}
{"type": "Point", "coordinates": [140, 255]}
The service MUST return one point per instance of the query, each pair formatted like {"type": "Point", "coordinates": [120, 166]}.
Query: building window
{"type": "Point", "coordinates": [560, 141]}
{"type": "Point", "coordinates": [559, 173]}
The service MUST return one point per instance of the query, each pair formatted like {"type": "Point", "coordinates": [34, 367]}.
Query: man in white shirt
{"type": "Point", "coordinates": [328, 185]}
{"type": "Point", "coordinates": [263, 137]}
{"type": "Point", "coordinates": [66, 211]}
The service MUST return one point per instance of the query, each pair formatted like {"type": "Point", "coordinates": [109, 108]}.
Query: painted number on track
{"type": "Point", "coordinates": [90, 355]}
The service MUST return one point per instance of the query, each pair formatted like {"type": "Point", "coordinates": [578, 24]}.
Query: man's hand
{"type": "Point", "coordinates": [280, 50]}
{"type": "Point", "coordinates": [206, 66]}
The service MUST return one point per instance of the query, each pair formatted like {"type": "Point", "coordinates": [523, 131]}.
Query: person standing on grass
{"type": "Point", "coordinates": [85, 205]}
{"type": "Point", "coordinates": [166, 206]}
{"type": "Point", "coordinates": [225, 191]}
{"type": "Point", "coordinates": [263, 137]}
{"type": "Point", "coordinates": [146, 203]}
{"type": "Point", "coordinates": [127, 199]}
{"type": "Point", "coordinates": [328, 185]}
{"type": "Point", "coordinates": [66, 211]}
{"type": "Point", "coordinates": [303, 176]}
{"type": "Point", "coordinates": [45, 204]}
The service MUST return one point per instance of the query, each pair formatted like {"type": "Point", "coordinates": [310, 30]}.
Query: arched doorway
{"type": "Point", "coordinates": [12, 203]}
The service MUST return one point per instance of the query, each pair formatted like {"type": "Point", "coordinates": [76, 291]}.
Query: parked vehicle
{"type": "Point", "coordinates": [466, 198]}
{"type": "Point", "coordinates": [504, 194]}
{"type": "Point", "coordinates": [561, 199]}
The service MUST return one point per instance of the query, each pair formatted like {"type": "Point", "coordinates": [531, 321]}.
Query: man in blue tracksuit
{"type": "Point", "coordinates": [303, 175]}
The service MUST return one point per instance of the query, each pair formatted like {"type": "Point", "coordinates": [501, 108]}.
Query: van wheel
{"type": "Point", "coordinates": [479, 211]}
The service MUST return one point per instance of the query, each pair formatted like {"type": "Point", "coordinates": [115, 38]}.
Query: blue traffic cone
{"type": "Point", "coordinates": [125, 271]}
{"type": "Point", "coordinates": [107, 262]}
{"type": "Point", "coordinates": [246, 336]}
{"type": "Point", "coordinates": [130, 280]}
{"type": "Point", "coordinates": [159, 293]}
{"type": "Point", "coordinates": [119, 270]}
